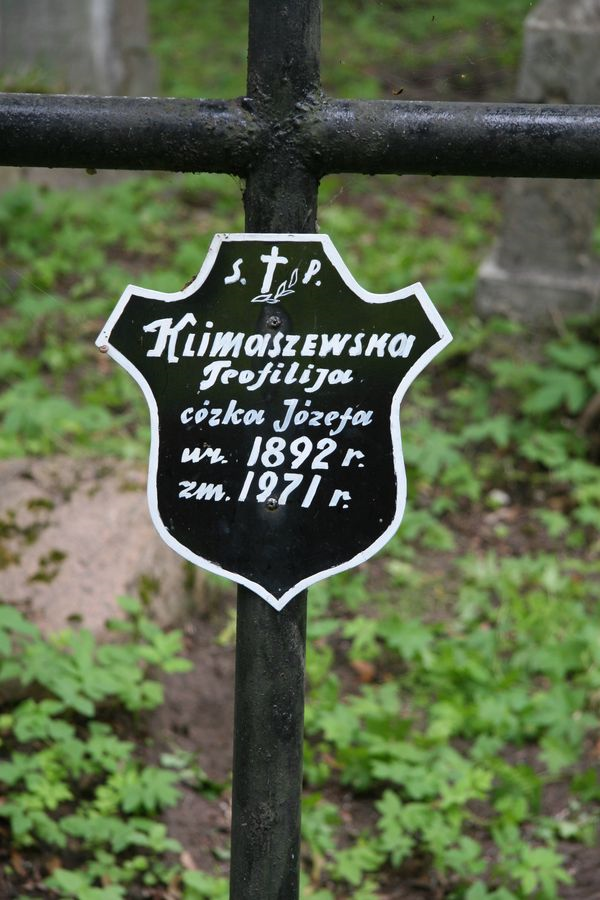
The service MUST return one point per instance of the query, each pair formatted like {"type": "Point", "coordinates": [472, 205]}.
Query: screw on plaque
{"type": "Point", "coordinates": [274, 322]}
{"type": "Point", "coordinates": [272, 504]}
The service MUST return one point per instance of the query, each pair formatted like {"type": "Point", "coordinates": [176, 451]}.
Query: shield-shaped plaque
{"type": "Point", "coordinates": [274, 384]}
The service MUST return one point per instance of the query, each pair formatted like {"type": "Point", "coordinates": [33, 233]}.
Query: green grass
{"type": "Point", "coordinates": [370, 49]}
{"type": "Point", "coordinates": [65, 260]}
{"type": "Point", "coordinates": [453, 682]}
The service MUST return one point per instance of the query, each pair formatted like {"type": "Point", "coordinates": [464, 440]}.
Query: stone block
{"type": "Point", "coordinates": [536, 297]}
{"type": "Point", "coordinates": [96, 47]}
{"type": "Point", "coordinates": [76, 534]}
{"type": "Point", "coordinates": [79, 46]}
{"type": "Point", "coordinates": [542, 266]}
{"type": "Point", "coordinates": [560, 53]}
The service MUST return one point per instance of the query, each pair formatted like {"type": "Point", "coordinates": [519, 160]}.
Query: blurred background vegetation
{"type": "Point", "coordinates": [454, 682]}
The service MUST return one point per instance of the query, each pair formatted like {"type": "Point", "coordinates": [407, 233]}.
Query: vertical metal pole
{"type": "Point", "coordinates": [267, 757]}
{"type": "Point", "coordinates": [283, 77]}
{"type": "Point", "coordinates": [280, 196]}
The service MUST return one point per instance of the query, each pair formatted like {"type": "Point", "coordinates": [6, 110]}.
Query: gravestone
{"type": "Point", "coordinates": [75, 47]}
{"type": "Point", "coordinates": [75, 536]}
{"type": "Point", "coordinates": [542, 266]}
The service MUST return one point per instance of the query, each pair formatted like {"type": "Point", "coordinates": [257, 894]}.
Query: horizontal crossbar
{"type": "Point", "coordinates": [532, 140]}
{"type": "Point", "coordinates": [328, 136]}
{"type": "Point", "coordinates": [64, 131]}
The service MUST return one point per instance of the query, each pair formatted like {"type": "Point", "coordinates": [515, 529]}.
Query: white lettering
{"type": "Point", "coordinates": [397, 345]}
{"type": "Point", "coordinates": [211, 373]}
{"type": "Point", "coordinates": [294, 416]}
{"type": "Point", "coordinates": [309, 345]}
{"type": "Point", "coordinates": [188, 349]}
{"type": "Point", "coordinates": [340, 495]}
{"type": "Point", "coordinates": [233, 415]}
{"type": "Point", "coordinates": [191, 490]}
{"type": "Point", "coordinates": [197, 454]}
{"type": "Point", "coordinates": [314, 266]}
{"type": "Point", "coordinates": [276, 344]}
{"type": "Point", "coordinates": [227, 343]}
{"type": "Point", "coordinates": [350, 455]}
{"type": "Point", "coordinates": [204, 340]}
{"type": "Point", "coordinates": [333, 343]}
{"type": "Point", "coordinates": [236, 274]}
{"type": "Point", "coordinates": [290, 342]}
{"type": "Point", "coordinates": [232, 344]}
{"type": "Point", "coordinates": [256, 344]}
{"type": "Point", "coordinates": [168, 331]}
{"type": "Point", "coordinates": [377, 342]}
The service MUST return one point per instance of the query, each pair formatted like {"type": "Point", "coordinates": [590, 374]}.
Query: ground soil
{"type": "Point", "coordinates": [198, 716]}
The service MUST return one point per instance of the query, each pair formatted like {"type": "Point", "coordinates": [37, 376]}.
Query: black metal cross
{"type": "Point", "coordinates": [282, 138]}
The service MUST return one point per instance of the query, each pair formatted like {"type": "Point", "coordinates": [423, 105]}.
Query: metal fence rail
{"type": "Point", "coordinates": [325, 135]}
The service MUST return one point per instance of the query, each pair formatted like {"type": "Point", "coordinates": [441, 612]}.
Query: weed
{"type": "Point", "coordinates": [72, 788]}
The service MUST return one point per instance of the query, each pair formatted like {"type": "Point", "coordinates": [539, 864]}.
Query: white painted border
{"type": "Point", "coordinates": [432, 314]}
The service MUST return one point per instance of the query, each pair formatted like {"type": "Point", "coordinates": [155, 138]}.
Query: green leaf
{"type": "Point", "coordinates": [394, 839]}
{"type": "Point", "coordinates": [495, 428]}
{"type": "Point", "coordinates": [587, 785]}
{"type": "Point", "coordinates": [72, 883]}
{"type": "Point", "coordinates": [131, 605]}
{"type": "Point", "coordinates": [364, 634]}
{"type": "Point", "coordinates": [410, 639]}
{"type": "Point", "coordinates": [557, 755]}
{"type": "Point", "coordinates": [341, 726]}
{"type": "Point", "coordinates": [150, 790]}
{"type": "Point", "coordinates": [465, 858]}
{"type": "Point", "coordinates": [199, 886]}
{"type": "Point", "coordinates": [478, 891]}
{"type": "Point", "coordinates": [13, 620]}
{"type": "Point", "coordinates": [573, 355]}
{"type": "Point", "coordinates": [558, 389]}
{"type": "Point", "coordinates": [351, 864]}
{"type": "Point", "coordinates": [556, 523]}
{"type": "Point", "coordinates": [594, 376]}
{"type": "Point", "coordinates": [550, 448]}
